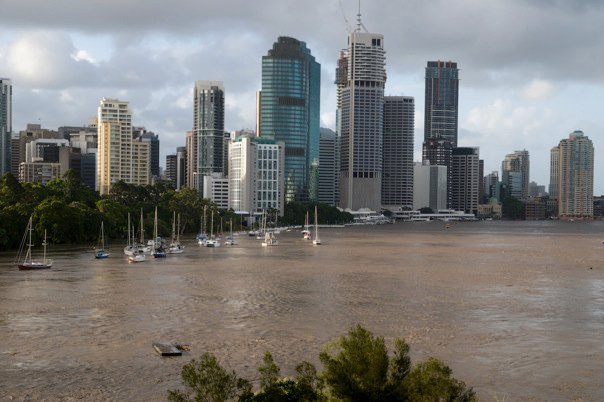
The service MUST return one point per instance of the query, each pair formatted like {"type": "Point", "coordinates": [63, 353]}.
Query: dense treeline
{"type": "Point", "coordinates": [356, 367]}
{"type": "Point", "coordinates": [71, 212]}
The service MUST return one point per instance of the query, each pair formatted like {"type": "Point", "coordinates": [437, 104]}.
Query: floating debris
{"type": "Point", "coordinates": [167, 349]}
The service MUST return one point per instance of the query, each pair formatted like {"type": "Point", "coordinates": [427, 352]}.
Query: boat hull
{"type": "Point", "coordinates": [34, 266]}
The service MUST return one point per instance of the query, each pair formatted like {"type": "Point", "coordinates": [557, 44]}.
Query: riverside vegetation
{"type": "Point", "coordinates": [356, 367]}
{"type": "Point", "coordinates": [71, 212]}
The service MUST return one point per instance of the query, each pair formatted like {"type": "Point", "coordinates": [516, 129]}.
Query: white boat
{"type": "Point", "coordinates": [142, 246]}
{"type": "Point", "coordinates": [212, 241]}
{"type": "Point", "coordinates": [138, 256]}
{"type": "Point", "coordinates": [269, 238]}
{"type": "Point", "coordinates": [101, 251]}
{"type": "Point", "coordinates": [202, 236]}
{"type": "Point", "coordinates": [316, 241]}
{"type": "Point", "coordinates": [306, 235]}
{"type": "Point", "coordinates": [28, 262]}
{"type": "Point", "coordinates": [158, 246]}
{"type": "Point", "coordinates": [175, 247]}
{"type": "Point", "coordinates": [130, 248]}
{"type": "Point", "coordinates": [230, 240]}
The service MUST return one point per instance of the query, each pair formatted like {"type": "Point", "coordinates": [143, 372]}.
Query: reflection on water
{"type": "Point", "coordinates": [513, 308]}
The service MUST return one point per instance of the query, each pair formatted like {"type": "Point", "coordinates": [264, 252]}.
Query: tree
{"type": "Point", "coordinates": [269, 372]}
{"type": "Point", "coordinates": [208, 381]}
{"type": "Point", "coordinates": [431, 381]}
{"type": "Point", "coordinates": [358, 368]}
{"type": "Point", "coordinates": [426, 210]}
{"type": "Point", "coordinates": [512, 208]}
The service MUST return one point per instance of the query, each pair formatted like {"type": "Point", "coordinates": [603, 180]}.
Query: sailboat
{"type": "Point", "coordinates": [138, 254]}
{"type": "Point", "coordinates": [316, 241]}
{"type": "Point", "coordinates": [158, 247]}
{"type": "Point", "coordinates": [175, 246]}
{"type": "Point", "coordinates": [230, 240]}
{"type": "Point", "coordinates": [212, 242]}
{"type": "Point", "coordinates": [269, 237]}
{"type": "Point", "coordinates": [146, 248]}
{"type": "Point", "coordinates": [306, 232]}
{"type": "Point", "coordinates": [28, 262]}
{"type": "Point", "coordinates": [202, 237]}
{"type": "Point", "coordinates": [101, 251]}
{"type": "Point", "coordinates": [130, 247]}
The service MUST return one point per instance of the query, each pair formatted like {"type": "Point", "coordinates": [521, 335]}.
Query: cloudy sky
{"type": "Point", "coordinates": [531, 70]}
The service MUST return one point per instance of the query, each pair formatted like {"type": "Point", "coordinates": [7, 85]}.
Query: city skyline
{"type": "Point", "coordinates": [523, 85]}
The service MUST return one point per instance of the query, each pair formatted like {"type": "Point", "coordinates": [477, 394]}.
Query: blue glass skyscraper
{"type": "Point", "coordinates": [288, 111]}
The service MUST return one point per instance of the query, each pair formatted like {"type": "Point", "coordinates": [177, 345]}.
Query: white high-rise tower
{"type": "Point", "coordinates": [360, 79]}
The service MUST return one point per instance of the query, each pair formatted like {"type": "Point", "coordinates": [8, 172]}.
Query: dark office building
{"type": "Point", "coordinates": [441, 102]}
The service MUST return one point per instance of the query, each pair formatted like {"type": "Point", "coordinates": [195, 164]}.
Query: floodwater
{"type": "Point", "coordinates": [516, 309]}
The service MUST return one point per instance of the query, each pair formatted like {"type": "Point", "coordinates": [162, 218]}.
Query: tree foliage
{"type": "Point", "coordinates": [356, 367]}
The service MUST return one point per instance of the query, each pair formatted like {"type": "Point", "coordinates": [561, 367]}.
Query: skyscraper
{"type": "Point", "coordinates": [441, 101]}
{"type": "Point", "coordinates": [397, 175]}
{"type": "Point", "coordinates": [153, 139]}
{"type": "Point", "coordinates": [554, 172]}
{"type": "Point", "coordinates": [328, 167]}
{"type": "Point", "coordinates": [440, 116]}
{"type": "Point", "coordinates": [288, 111]}
{"type": "Point", "coordinates": [208, 131]}
{"type": "Point", "coordinates": [360, 79]}
{"type": "Point", "coordinates": [575, 189]}
{"type": "Point", "coordinates": [119, 157]}
{"type": "Point", "coordinates": [6, 125]}
{"type": "Point", "coordinates": [515, 170]}
{"type": "Point", "coordinates": [464, 191]}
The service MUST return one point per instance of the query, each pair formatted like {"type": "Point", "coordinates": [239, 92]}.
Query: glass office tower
{"type": "Point", "coordinates": [288, 111]}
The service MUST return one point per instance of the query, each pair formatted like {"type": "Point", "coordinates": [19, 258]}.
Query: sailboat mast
{"type": "Point", "coordinates": [212, 227]}
{"type": "Point", "coordinates": [142, 229]}
{"type": "Point", "coordinates": [28, 255]}
{"type": "Point", "coordinates": [178, 230]}
{"type": "Point", "coordinates": [128, 229]}
{"type": "Point", "coordinates": [44, 246]}
{"type": "Point", "coordinates": [155, 229]}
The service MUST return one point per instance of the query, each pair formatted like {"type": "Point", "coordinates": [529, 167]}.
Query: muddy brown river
{"type": "Point", "coordinates": [516, 309]}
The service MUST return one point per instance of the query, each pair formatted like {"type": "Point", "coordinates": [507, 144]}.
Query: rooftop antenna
{"type": "Point", "coordinates": [359, 23]}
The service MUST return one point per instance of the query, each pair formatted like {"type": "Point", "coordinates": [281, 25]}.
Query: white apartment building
{"type": "Point", "coordinates": [256, 181]}
{"type": "Point", "coordinates": [119, 157]}
{"type": "Point", "coordinates": [216, 188]}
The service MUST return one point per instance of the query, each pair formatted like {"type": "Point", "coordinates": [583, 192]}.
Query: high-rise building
{"type": "Point", "coordinates": [429, 186]}
{"type": "Point", "coordinates": [441, 101]}
{"type": "Point", "coordinates": [289, 111]}
{"type": "Point", "coordinates": [119, 157]}
{"type": "Point", "coordinates": [6, 124]}
{"type": "Point", "coordinates": [256, 181]}
{"type": "Point", "coordinates": [464, 190]}
{"type": "Point", "coordinates": [86, 141]}
{"type": "Point", "coordinates": [515, 170]}
{"type": "Point", "coordinates": [554, 172]}
{"type": "Point", "coordinates": [208, 132]}
{"type": "Point", "coordinates": [141, 134]}
{"type": "Point", "coordinates": [491, 185]}
{"type": "Point", "coordinates": [216, 189]}
{"type": "Point", "coordinates": [438, 151]}
{"type": "Point", "coordinates": [181, 167]}
{"type": "Point", "coordinates": [329, 172]}
{"type": "Point", "coordinates": [575, 190]}
{"type": "Point", "coordinates": [360, 80]}
{"type": "Point", "coordinates": [397, 172]}
{"type": "Point", "coordinates": [15, 153]}
{"type": "Point", "coordinates": [171, 169]}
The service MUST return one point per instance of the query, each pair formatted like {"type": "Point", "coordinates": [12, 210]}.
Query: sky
{"type": "Point", "coordinates": [531, 71]}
